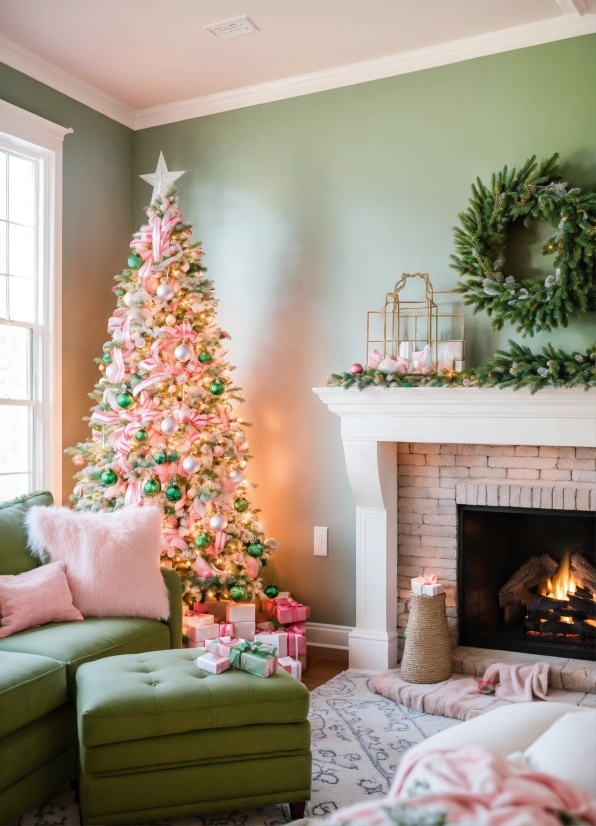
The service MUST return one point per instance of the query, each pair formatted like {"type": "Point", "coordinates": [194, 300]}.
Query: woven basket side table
{"type": "Point", "coordinates": [427, 653]}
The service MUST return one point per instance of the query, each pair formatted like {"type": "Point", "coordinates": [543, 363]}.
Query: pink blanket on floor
{"type": "Point", "coordinates": [472, 786]}
{"type": "Point", "coordinates": [519, 683]}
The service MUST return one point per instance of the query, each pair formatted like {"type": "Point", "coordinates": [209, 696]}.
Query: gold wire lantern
{"type": "Point", "coordinates": [412, 336]}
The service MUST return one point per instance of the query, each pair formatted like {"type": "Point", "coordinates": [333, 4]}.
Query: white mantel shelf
{"type": "Point", "coordinates": [374, 420]}
{"type": "Point", "coordinates": [465, 415]}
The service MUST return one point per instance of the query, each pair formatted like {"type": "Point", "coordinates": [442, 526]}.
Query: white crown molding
{"type": "Point", "coordinates": [505, 40]}
{"type": "Point", "coordinates": [518, 37]}
{"type": "Point", "coordinates": [36, 67]}
{"type": "Point", "coordinates": [31, 128]}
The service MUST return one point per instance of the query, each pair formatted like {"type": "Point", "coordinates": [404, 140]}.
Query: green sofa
{"type": "Point", "coordinates": [38, 735]}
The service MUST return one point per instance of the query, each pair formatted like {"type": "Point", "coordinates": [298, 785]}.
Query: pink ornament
{"type": "Point", "coordinates": [356, 368]}
{"type": "Point", "coordinates": [218, 450]}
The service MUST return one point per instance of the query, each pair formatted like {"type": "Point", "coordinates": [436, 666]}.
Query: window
{"type": "Point", "coordinates": [30, 227]}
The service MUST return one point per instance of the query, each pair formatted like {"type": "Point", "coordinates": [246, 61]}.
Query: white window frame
{"type": "Point", "coordinates": [22, 130]}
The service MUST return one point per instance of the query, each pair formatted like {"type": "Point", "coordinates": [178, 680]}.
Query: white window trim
{"type": "Point", "coordinates": [25, 130]}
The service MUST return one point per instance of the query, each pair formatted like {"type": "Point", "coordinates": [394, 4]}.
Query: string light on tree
{"type": "Point", "coordinates": [162, 427]}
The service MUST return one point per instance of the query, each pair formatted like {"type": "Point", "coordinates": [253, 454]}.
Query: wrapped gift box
{"type": "Point", "coordinates": [265, 626]}
{"type": "Point", "coordinates": [197, 620]}
{"type": "Point", "coordinates": [199, 608]}
{"type": "Point", "coordinates": [287, 610]}
{"type": "Point", "coordinates": [213, 663]}
{"type": "Point", "coordinates": [293, 667]}
{"type": "Point", "coordinates": [241, 612]}
{"type": "Point", "coordinates": [254, 658]}
{"type": "Point", "coordinates": [217, 607]}
{"type": "Point", "coordinates": [427, 586]}
{"type": "Point", "coordinates": [244, 630]}
{"type": "Point", "coordinates": [279, 639]}
{"type": "Point", "coordinates": [203, 632]}
{"type": "Point", "coordinates": [226, 629]}
{"type": "Point", "coordinates": [296, 639]}
{"type": "Point", "coordinates": [222, 645]}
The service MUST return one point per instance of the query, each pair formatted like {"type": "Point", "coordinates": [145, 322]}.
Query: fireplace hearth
{"type": "Point", "coordinates": [527, 579]}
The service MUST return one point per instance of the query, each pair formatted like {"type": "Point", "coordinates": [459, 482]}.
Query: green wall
{"type": "Point", "coordinates": [311, 208]}
{"type": "Point", "coordinates": [97, 221]}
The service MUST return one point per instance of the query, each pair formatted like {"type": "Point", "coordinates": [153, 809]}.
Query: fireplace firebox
{"type": "Point", "coordinates": [526, 580]}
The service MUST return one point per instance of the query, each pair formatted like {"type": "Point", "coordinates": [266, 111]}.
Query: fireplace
{"type": "Point", "coordinates": [516, 583]}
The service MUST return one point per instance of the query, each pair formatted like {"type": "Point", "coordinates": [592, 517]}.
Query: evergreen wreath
{"type": "Point", "coordinates": [534, 191]}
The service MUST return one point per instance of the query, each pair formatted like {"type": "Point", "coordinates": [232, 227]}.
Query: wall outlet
{"type": "Point", "coordinates": [321, 541]}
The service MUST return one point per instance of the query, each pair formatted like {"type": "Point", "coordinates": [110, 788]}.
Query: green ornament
{"type": "Point", "coordinates": [152, 486]}
{"type": "Point", "coordinates": [173, 493]}
{"type": "Point", "coordinates": [141, 435]}
{"type": "Point", "coordinates": [135, 261]}
{"type": "Point", "coordinates": [119, 293]}
{"type": "Point", "coordinates": [217, 387]}
{"type": "Point", "coordinates": [106, 358]}
{"type": "Point", "coordinates": [108, 478]}
{"type": "Point", "coordinates": [203, 541]}
{"type": "Point", "coordinates": [205, 357]}
{"type": "Point", "coordinates": [271, 591]}
{"type": "Point", "coordinates": [241, 505]}
{"type": "Point", "coordinates": [255, 549]}
{"type": "Point", "coordinates": [160, 458]}
{"type": "Point", "coordinates": [174, 456]}
{"type": "Point", "coordinates": [135, 379]}
{"type": "Point", "coordinates": [237, 592]}
{"type": "Point", "coordinates": [125, 400]}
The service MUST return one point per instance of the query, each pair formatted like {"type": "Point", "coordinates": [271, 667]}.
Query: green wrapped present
{"type": "Point", "coordinates": [254, 657]}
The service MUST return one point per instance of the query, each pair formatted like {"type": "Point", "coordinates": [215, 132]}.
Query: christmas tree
{"type": "Point", "coordinates": [162, 428]}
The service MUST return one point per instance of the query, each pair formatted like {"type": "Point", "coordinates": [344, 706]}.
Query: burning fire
{"type": "Point", "coordinates": [562, 582]}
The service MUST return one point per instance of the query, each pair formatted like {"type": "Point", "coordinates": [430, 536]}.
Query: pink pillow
{"type": "Point", "coordinates": [34, 598]}
{"type": "Point", "coordinates": [112, 559]}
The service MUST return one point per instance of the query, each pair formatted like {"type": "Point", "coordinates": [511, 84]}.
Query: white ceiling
{"type": "Point", "coordinates": [147, 53]}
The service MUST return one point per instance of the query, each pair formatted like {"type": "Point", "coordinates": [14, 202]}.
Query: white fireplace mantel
{"type": "Point", "coordinates": [374, 420]}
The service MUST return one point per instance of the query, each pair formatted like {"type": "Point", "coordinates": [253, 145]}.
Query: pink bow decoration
{"type": "Point", "coordinates": [425, 579]}
{"type": "Point", "coordinates": [373, 359]}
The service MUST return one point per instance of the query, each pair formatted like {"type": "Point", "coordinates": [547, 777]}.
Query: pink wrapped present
{"type": "Point", "coordinates": [293, 667]}
{"type": "Point", "coordinates": [241, 612]}
{"type": "Point", "coordinates": [198, 620]}
{"type": "Point", "coordinates": [277, 638]}
{"type": "Point", "coordinates": [427, 585]}
{"type": "Point", "coordinates": [203, 632]}
{"type": "Point", "coordinates": [296, 640]}
{"type": "Point", "coordinates": [213, 663]}
{"type": "Point", "coordinates": [245, 630]}
{"type": "Point", "coordinates": [226, 629]}
{"type": "Point", "coordinates": [288, 610]}
{"type": "Point", "coordinates": [200, 608]}
{"type": "Point", "coordinates": [221, 646]}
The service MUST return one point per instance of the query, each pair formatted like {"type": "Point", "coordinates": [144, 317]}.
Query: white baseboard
{"type": "Point", "coordinates": [323, 635]}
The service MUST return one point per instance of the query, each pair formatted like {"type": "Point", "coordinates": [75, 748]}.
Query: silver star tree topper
{"type": "Point", "coordinates": [162, 179]}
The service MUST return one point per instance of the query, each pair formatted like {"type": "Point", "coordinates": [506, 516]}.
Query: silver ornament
{"type": "Point", "coordinates": [183, 352]}
{"type": "Point", "coordinates": [218, 522]}
{"type": "Point", "coordinates": [272, 543]}
{"type": "Point", "coordinates": [170, 320]}
{"type": "Point", "coordinates": [139, 342]}
{"type": "Point", "coordinates": [111, 372]}
{"type": "Point", "coordinates": [236, 476]}
{"type": "Point", "coordinates": [169, 425]}
{"type": "Point", "coordinates": [129, 298]}
{"type": "Point", "coordinates": [166, 292]}
{"type": "Point", "coordinates": [118, 336]}
{"type": "Point", "coordinates": [191, 464]}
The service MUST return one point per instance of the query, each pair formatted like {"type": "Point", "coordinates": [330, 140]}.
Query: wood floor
{"type": "Point", "coordinates": [323, 664]}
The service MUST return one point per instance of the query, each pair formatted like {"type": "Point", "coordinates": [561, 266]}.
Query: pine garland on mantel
{"type": "Point", "coordinates": [514, 368]}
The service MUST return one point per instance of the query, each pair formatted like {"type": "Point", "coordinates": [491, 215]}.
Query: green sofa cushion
{"type": "Point", "coordinates": [74, 643]}
{"type": "Point", "coordinates": [30, 687]}
{"type": "Point", "coordinates": [15, 558]}
{"type": "Point", "coordinates": [155, 694]}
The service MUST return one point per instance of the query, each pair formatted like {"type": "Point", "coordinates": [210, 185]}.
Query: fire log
{"type": "Point", "coordinates": [585, 630]}
{"type": "Point", "coordinates": [532, 572]}
{"type": "Point", "coordinates": [583, 573]}
{"type": "Point", "coordinates": [542, 610]}
{"type": "Point", "coordinates": [566, 629]}
{"type": "Point", "coordinates": [583, 592]}
{"type": "Point", "coordinates": [588, 606]}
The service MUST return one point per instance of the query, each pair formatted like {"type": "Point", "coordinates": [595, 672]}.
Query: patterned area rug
{"type": "Point", "coordinates": [358, 739]}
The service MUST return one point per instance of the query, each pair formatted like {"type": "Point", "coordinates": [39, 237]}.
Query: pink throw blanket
{"type": "Point", "coordinates": [472, 786]}
{"type": "Point", "coordinates": [519, 683]}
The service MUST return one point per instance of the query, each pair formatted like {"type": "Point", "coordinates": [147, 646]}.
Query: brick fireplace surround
{"type": "Point", "coordinates": [433, 479]}
{"type": "Point", "coordinates": [413, 455]}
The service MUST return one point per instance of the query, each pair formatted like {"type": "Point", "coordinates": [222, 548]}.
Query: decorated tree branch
{"type": "Point", "coordinates": [163, 429]}
{"type": "Point", "coordinates": [514, 368]}
{"type": "Point", "coordinates": [533, 192]}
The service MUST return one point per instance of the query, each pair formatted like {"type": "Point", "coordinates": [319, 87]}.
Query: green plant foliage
{"type": "Point", "coordinates": [516, 368]}
{"type": "Point", "coordinates": [532, 305]}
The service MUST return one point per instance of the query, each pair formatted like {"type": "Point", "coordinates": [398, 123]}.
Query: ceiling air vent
{"type": "Point", "coordinates": [234, 27]}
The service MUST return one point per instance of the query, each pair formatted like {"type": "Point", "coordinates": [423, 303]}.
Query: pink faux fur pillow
{"type": "Point", "coordinates": [34, 598]}
{"type": "Point", "coordinates": [112, 559]}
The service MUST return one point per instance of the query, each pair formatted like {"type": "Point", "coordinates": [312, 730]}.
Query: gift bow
{"type": "Point", "coordinates": [244, 646]}
{"type": "Point", "coordinates": [426, 579]}
{"type": "Point", "coordinates": [296, 629]}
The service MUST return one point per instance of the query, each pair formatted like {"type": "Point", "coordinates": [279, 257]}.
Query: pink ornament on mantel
{"type": "Point", "coordinates": [355, 369]}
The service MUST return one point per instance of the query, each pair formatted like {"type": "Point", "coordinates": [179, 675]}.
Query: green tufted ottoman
{"type": "Point", "coordinates": [160, 738]}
